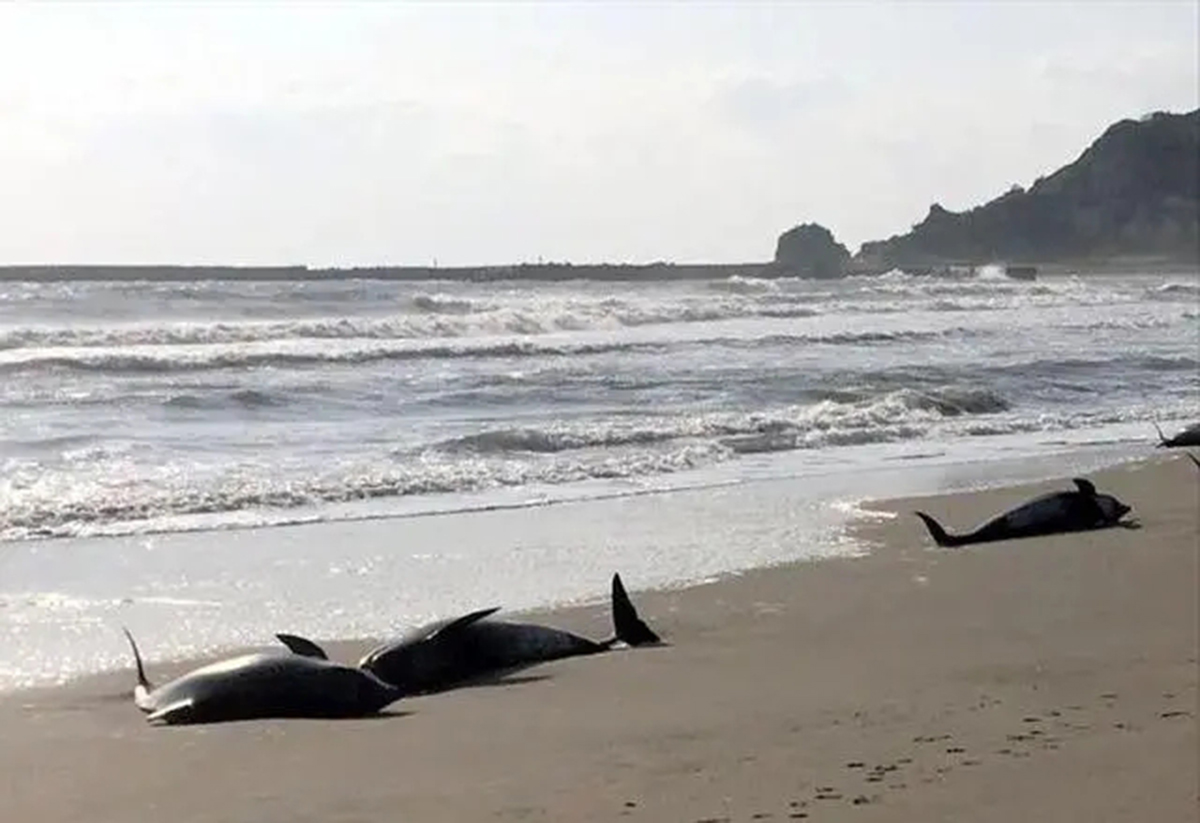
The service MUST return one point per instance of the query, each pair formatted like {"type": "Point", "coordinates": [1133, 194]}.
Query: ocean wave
{"type": "Point", "coordinates": [431, 315]}
{"type": "Point", "coordinates": [842, 417]}
{"type": "Point", "coordinates": [435, 316]}
{"type": "Point", "coordinates": [150, 359]}
{"type": "Point", "coordinates": [550, 441]}
{"type": "Point", "coordinates": [242, 398]}
{"type": "Point", "coordinates": [1119, 324]}
{"type": "Point", "coordinates": [740, 284]}
{"type": "Point", "coordinates": [161, 359]}
{"type": "Point", "coordinates": [900, 335]}
{"type": "Point", "coordinates": [119, 493]}
{"type": "Point", "coordinates": [445, 304]}
{"type": "Point", "coordinates": [60, 443]}
{"type": "Point", "coordinates": [1175, 289]}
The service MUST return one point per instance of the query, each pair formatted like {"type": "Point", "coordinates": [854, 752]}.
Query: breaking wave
{"type": "Point", "coordinates": [286, 353]}
{"type": "Point", "coordinates": [435, 316]}
{"type": "Point", "coordinates": [1175, 289]}
{"type": "Point", "coordinates": [844, 417]}
{"type": "Point", "coordinates": [42, 502]}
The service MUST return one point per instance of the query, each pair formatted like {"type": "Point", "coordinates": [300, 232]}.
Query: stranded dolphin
{"type": "Point", "coordinates": [441, 655]}
{"type": "Point", "coordinates": [267, 684]}
{"type": "Point", "coordinates": [1190, 436]}
{"type": "Point", "coordinates": [1048, 514]}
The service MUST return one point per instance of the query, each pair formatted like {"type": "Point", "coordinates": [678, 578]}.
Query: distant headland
{"type": "Point", "coordinates": [1132, 198]}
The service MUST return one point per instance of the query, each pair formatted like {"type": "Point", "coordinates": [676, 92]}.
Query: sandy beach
{"type": "Point", "coordinates": [1044, 679]}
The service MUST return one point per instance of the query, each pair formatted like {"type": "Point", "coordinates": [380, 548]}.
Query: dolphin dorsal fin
{"type": "Point", "coordinates": [461, 622]}
{"type": "Point", "coordinates": [1085, 486]}
{"type": "Point", "coordinates": [302, 646]}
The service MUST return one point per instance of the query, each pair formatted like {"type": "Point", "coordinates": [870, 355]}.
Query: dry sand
{"type": "Point", "coordinates": [1045, 679]}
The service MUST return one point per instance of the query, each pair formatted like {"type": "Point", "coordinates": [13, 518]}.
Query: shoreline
{"type": "Point", "coordinates": [846, 513]}
{"type": "Point", "coordinates": [1050, 678]}
{"type": "Point", "coordinates": [860, 519]}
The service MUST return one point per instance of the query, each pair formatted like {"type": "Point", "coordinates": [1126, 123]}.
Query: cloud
{"type": "Point", "coordinates": [395, 132]}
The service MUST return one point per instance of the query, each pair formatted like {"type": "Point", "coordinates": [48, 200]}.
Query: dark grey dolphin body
{"type": "Point", "coordinates": [449, 653]}
{"type": "Point", "coordinates": [270, 684]}
{"type": "Point", "coordinates": [1052, 513]}
{"type": "Point", "coordinates": [1190, 436]}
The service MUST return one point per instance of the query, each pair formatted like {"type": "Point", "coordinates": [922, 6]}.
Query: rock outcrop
{"type": "Point", "coordinates": [810, 250]}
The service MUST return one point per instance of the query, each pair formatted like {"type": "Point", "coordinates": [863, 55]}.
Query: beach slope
{"type": "Point", "coordinates": [1045, 679]}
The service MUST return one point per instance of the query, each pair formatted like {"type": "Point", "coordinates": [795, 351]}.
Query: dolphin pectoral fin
{"type": "Point", "coordinates": [1085, 486]}
{"type": "Point", "coordinates": [465, 620]}
{"type": "Point", "coordinates": [141, 692]}
{"type": "Point", "coordinates": [1162, 438]}
{"type": "Point", "coordinates": [1193, 459]}
{"type": "Point", "coordinates": [628, 627]}
{"type": "Point", "coordinates": [302, 646]}
{"type": "Point", "coordinates": [174, 714]}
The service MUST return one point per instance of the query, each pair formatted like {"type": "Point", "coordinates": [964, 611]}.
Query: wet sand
{"type": "Point", "coordinates": [1045, 679]}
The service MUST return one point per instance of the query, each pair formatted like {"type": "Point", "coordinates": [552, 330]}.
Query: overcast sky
{"type": "Point", "coordinates": [375, 133]}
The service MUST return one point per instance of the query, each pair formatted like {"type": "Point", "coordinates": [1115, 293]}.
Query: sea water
{"type": "Point", "coordinates": [215, 461]}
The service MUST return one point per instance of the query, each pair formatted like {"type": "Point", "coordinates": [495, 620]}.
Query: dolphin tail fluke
{"type": "Point", "coordinates": [141, 694]}
{"type": "Point", "coordinates": [940, 535]}
{"type": "Point", "coordinates": [628, 627]}
{"type": "Point", "coordinates": [302, 646]}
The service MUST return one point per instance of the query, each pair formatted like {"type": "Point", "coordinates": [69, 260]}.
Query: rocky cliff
{"type": "Point", "coordinates": [1132, 194]}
